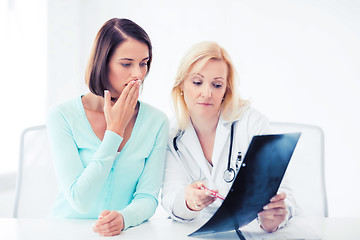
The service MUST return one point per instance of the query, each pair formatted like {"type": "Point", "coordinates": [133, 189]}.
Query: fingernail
{"type": "Point", "coordinates": [100, 217]}
{"type": "Point", "coordinates": [265, 207]}
{"type": "Point", "coordinates": [208, 193]}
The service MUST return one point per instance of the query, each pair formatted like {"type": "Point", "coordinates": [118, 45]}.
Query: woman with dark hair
{"type": "Point", "coordinates": [109, 147]}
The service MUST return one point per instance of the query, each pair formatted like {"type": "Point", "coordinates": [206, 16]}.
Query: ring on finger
{"type": "Point", "coordinates": [196, 206]}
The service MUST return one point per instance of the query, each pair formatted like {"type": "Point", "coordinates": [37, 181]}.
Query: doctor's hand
{"type": "Point", "coordinates": [274, 213]}
{"type": "Point", "coordinates": [118, 114]}
{"type": "Point", "coordinates": [197, 198]}
{"type": "Point", "coordinates": [110, 223]}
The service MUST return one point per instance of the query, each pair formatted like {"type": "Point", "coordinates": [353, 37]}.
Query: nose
{"type": "Point", "coordinates": [136, 73]}
{"type": "Point", "coordinates": [206, 91]}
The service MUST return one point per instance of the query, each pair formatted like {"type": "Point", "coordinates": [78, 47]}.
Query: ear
{"type": "Point", "coordinates": [181, 86]}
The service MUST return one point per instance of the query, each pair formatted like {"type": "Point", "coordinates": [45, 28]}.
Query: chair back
{"type": "Point", "coordinates": [36, 187]}
{"type": "Point", "coordinates": [306, 168]}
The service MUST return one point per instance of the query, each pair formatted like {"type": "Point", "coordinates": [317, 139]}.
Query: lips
{"type": "Point", "coordinates": [205, 104]}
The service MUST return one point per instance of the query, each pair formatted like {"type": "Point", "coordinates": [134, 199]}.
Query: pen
{"type": "Point", "coordinates": [215, 194]}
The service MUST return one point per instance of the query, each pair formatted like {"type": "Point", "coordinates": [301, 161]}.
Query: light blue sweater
{"type": "Point", "coordinates": [94, 177]}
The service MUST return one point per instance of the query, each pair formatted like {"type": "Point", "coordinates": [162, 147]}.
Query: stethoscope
{"type": "Point", "coordinates": [229, 173]}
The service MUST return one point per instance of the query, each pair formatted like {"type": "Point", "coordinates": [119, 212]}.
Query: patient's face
{"type": "Point", "coordinates": [128, 63]}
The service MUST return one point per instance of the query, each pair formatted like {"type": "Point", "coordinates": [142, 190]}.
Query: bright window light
{"type": "Point", "coordinates": [23, 47]}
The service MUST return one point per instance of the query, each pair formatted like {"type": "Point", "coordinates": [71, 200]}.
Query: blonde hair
{"type": "Point", "coordinates": [232, 106]}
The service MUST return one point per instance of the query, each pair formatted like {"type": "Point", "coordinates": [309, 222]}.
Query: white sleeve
{"type": "Point", "coordinates": [175, 181]}
{"type": "Point", "coordinates": [258, 124]}
{"type": "Point", "coordinates": [289, 200]}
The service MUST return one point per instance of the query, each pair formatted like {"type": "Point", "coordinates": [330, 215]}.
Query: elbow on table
{"type": "Point", "coordinates": [79, 204]}
{"type": "Point", "coordinates": [152, 204]}
{"type": "Point", "coordinates": [149, 203]}
{"type": "Point", "coordinates": [81, 208]}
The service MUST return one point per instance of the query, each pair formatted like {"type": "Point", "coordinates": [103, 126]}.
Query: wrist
{"type": "Point", "coordinates": [189, 206]}
{"type": "Point", "coordinates": [118, 130]}
{"type": "Point", "coordinates": [270, 231]}
{"type": "Point", "coordinates": [123, 223]}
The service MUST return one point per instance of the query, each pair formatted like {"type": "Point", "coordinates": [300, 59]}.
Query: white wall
{"type": "Point", "coordinates": [23, 84]}
{"type": "Point", "coordinates": [23, 73]}
{"type": "Point", "coordinates": [298, 61]}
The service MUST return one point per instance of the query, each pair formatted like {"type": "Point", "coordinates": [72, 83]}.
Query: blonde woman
{"type": "Point", "coordinates": [208, 108]}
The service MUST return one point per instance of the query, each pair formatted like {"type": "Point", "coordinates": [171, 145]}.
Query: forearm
{"type": "Point", "coordinates": [81, 183]}
{"type": "Point", "coordinates": [139, 210]}
{"type": "Point", "coordinates": [179, 209]}
{"type": "Point", "coordinates": [82, 192]}
{"type": "Point", "coordinates": [173, 190]}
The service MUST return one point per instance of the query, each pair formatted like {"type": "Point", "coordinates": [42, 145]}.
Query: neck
{"type": "Point", "coordinates": [204, 126]}
{"type": "Point", "coordinates": [93, 102]}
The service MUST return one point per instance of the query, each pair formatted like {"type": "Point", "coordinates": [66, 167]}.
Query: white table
{"type": "Point", "coordinates": [161, 228]}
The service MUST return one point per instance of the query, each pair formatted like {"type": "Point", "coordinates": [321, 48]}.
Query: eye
{"type": "Point", "coordinates": [126, 64]}
{"type": "Point", "coordinates": [196, 81]}
{"type": "Point", "coordinates": [143, 64]}
{"type": "Point", "coordinates": [217, 85]}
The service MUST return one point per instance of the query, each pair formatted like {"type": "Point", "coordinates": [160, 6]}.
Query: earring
{"type": "Point", "coordinates": [181, 93]}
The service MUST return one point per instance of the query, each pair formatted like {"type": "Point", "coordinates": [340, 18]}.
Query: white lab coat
{"type": "Point", "coordinates": [191, 165]}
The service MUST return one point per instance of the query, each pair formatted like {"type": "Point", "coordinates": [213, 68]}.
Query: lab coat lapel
{"type": "Point", "coordinates": [221, 141]}
{"type": "Point", "coordinates": [192, 144]}
{"type": "Point", "coordinates": [221, 149]}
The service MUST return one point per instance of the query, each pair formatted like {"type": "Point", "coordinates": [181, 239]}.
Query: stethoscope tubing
{"type": "Point", "coordinates": [229, 173]}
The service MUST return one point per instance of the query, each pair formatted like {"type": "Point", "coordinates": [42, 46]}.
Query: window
{"type": "Point", "coordinates": [23, 29]}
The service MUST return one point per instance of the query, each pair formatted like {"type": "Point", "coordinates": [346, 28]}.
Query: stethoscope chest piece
{"type": "Point", "coordinates": [229, 175]}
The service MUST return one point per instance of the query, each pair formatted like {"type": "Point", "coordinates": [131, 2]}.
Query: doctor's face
{"type": "Point", "coordinates": [204, 89]}
{"type": "Point", "coordinates": [128, 62]}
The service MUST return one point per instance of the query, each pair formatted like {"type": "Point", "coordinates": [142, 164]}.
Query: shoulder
{"type": "Point", "coordinates": [251, 115]}
{"type": "Point", "coordinates": [67, 106]}
{"type": "Point", "coordinates": [253, 121]}
{"type": "Point", "coordinates": [153, 117]}
{"type": "Point", "coordinates": [152, 111]}
{"type": "Point", "coordinates": [173, 127]}
{"type": "Point", "coordinates": [66, 110]}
